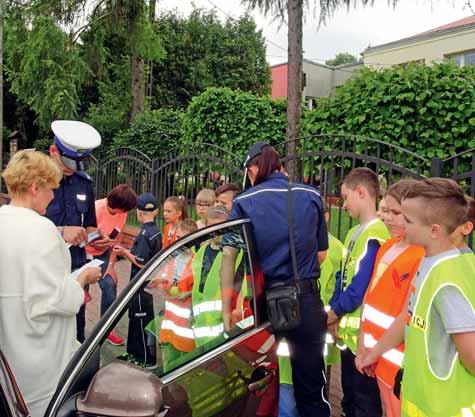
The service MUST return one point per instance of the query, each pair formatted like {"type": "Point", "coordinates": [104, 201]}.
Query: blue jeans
{"type": "Point", "coordinates": [107, 284]}
{"type": "Point", "coordinates": [287, 404]}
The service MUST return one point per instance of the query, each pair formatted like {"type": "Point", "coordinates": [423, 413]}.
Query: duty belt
{"type": "Point", "coordinates": [304, 286]}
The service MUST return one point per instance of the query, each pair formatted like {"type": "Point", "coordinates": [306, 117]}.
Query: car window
{"type": "Point", "coordinates": [177, 314]}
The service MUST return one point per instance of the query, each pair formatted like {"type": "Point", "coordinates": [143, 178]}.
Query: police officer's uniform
{"type": "Point", "coordinates": [266, 206]}
{"type": "Point", "coordinates": [73, 203]}
{"type": "Point", "coordinates": [146, 245]}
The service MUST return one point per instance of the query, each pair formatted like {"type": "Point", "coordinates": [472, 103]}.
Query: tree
{"type": "Point", "coordinates": [202, 52]}
{"type": "Point", "coordinates": [342, 58]}
{"type": "Point", "coordinates": [294, 11]}
{"type": "Point", "coordinates": [43, 67]}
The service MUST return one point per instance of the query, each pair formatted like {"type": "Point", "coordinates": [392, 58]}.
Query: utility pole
{"type": "Point", "coordinates": [294, 83]}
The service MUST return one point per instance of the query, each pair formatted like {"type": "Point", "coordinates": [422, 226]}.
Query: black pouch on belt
{"type": "Point", "coordinates": [283, 307]}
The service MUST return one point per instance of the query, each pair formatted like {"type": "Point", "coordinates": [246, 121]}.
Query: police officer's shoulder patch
{"type": "Point", "coordinates": [84, 175]}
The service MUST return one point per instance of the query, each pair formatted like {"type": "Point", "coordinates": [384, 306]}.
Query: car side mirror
{"type": "Point", "coordinates": [122, 389]}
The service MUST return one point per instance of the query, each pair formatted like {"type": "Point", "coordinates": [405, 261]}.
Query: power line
{"type": "Point", "coordinates": [234, 18]}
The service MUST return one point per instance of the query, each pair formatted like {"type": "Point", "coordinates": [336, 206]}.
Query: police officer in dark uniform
{"type": "Point", "coordinates": [141, 344]}
{"type": "Point", "coordinates": [266, 205]}
{"type": "Point", "coordinates": [72, 208]}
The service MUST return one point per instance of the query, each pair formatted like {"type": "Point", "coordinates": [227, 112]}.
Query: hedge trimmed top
{"type": "Point", "coordinates": [429, 110]}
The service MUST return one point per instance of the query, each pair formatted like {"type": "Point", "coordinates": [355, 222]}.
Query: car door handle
{"type": "Point", "coordinates": [261, 383]}
{"type": "Point", "coordinates": [163, 411]}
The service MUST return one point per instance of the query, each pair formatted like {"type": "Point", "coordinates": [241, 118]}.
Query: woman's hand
{"type": "Point", "coordinates": [74, 235]}
{"type": "Point", "coordinates": [89, 276]}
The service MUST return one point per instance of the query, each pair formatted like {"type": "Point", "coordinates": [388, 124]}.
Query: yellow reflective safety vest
{"type": "Point", "coordinates": [329, 267]}
{"type": "Point", "coordinates": [207, 305]}
{"type": "Point", "coordinates": [356, 243]}
{"type": "Point", "coordinates": [212, 388]}
{"type": "Point", "coordinates": [425, 394]}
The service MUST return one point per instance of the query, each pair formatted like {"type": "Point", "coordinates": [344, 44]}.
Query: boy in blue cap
{"type": "Point", "coordinates": [140, 345]}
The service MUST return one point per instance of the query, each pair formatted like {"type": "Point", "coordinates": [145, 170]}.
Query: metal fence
{"type": "Point", "coordinates": [322, 160]}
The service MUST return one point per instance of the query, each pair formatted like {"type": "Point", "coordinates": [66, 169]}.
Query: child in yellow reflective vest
{"type": "Point", "coordinates": [360, 190]}
{"type": "Point", "coordinates": [438, 324]}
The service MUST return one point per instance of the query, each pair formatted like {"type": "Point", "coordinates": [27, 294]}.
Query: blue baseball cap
{"type": "Point", "coordinates": [147, 202]}
{"type": "Point", "coordinates": [254, 150]}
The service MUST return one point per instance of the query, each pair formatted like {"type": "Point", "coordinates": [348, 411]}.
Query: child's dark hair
{"type": "Point", "coordinates": [364, 177]}
{"type": "Point", "coordinates": [399, 189]}
{"type": "Point", "coordinates": [187, 226]}
{"type": "Point", "coordinates": [446, 203]}
{"type": "Point", "coordinates": [179, 204]}
{"type": "Point", "coordinates": [228, 187]}
{"type": "Point", "coordinates": [122, 197]}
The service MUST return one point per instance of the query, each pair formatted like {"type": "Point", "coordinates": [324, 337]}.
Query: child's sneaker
{"type": "Point", "coordinates": [115, 339]}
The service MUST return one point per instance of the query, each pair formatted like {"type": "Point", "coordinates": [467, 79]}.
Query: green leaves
{"type": "Point", "coordinates": [233, 120]}
{"type": "Point", "coordinates": [45, 70]}
{"type": "Point", "coordinates": [153, 132]}
{"type": "Point", "coordinates": [426, 109]}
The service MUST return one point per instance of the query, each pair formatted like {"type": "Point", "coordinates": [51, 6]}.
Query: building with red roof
{"type": "Point", "coordinates": [455, 40]}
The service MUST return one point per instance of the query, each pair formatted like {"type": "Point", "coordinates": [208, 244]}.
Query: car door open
{"type": "Point", "coordinates": [181, 350]}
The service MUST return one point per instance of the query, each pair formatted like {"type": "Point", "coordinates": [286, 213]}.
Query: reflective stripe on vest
{"type": "Point", "coordinates": [245, 323]}
{"type": "Point", "coordinates": [411, 410]}
{"type": "Point", "coordinates": [182, 312]}
{"type": "Point", "coordinates": [348, 321]}
{"type": "Point", "coordinates": [426, 392]}
{"type": "Point", "coordinates": [207, 307]}
{"type": "Point", "coordinates": [357, 245]}
{"type": "Point", "coordinates": [185, 332]}
{"type": "Point", "coordinates": [209, 331]}
{"type": "Point", "coordinates": [394, 356]}
{"type": "Point", "coordinates": [283, 350]}
{"type": "Point", "coordinates": [377, 317]}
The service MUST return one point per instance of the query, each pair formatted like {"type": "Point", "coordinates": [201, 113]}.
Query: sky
{"type": "Point", "coordinates": [350, 30]}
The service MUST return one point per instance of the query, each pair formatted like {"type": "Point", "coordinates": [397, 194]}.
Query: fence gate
{"type": "Point", "coordinates": [323, 161]}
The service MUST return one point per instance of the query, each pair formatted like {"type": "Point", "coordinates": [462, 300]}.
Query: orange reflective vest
{"type": "Point", "coordinates": [384, 300]}
{"type": "Point", "coordinates": [167, 238]}
{"type": "Point", "coordinates": [176, 327]}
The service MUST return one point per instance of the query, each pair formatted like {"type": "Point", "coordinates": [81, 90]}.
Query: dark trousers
{"type": "Point", "coordinates": [139, 341]}
{"type": "Point", "coordinates": [360, 392]}
{"type": "Point", "coordinates": [306, 344]}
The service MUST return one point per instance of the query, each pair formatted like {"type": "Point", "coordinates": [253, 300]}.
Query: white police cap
{"type": "Point", "coordinates": [75, 139]}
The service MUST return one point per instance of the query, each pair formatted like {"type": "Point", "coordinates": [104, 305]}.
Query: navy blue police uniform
{"type": "Point", "coordinates": [73, 205]}
{"type": "Point", "coordinates": [266, 206]}
{"type": "Point", "coordinates": [147, 243]}
{"type": "Point", "coordinates": [73, 202]}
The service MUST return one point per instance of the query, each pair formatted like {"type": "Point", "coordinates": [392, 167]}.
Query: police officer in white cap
{"type": "Point", "coordinates": [72, 209]}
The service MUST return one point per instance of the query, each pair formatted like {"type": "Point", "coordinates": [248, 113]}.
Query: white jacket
{"type": "Point", "coordinates": [38, 303]}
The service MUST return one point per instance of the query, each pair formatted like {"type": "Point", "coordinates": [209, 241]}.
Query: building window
{"type": "Point", "coordinates": [464, 58]}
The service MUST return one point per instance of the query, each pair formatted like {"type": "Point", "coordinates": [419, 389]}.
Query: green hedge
{"type": "Point", "coordinates": [153, 132]}
{"type": "Point", "coordinates": [429, 110]}
{"type": "Point", "coordinates": [233, 120]}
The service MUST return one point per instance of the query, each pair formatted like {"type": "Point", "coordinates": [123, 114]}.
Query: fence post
{"type": "Point", "coordinates": [436, 167]}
